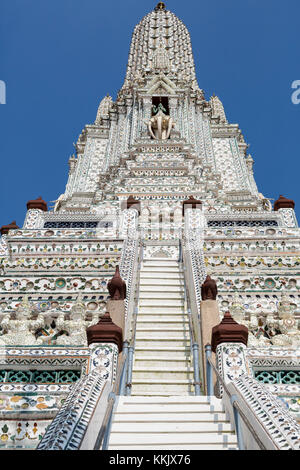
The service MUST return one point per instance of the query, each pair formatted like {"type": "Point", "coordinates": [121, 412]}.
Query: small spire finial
{"type": "Point", "coordinates": [160, 6]}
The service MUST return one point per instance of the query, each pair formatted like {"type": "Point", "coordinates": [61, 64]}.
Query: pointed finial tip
{"type": "Point", "coordinates": [160, 6]}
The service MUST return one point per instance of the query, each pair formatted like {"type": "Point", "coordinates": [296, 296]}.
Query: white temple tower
{"type": "Point", "coordinates": [162, 186]}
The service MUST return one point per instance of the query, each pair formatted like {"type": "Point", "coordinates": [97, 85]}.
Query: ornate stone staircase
{"type": "Point", "coordinates": [162, 360]}
{"type": "Point", "coordinates": [162, 411]}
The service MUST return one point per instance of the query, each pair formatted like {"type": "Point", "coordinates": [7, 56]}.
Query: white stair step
{"type": "Point", "coordinates": [160, 287]}
{"type": "Point", "coordinates": [174, 342]}
{"type": "Point", "coordinates": [162, 438]}
{"type": "Point", "coordinates": [162, 381]}
{"type": "Point", "coordinates": [123, 416]}
{"type": "Point", "coordinates": [163, 318]}
{"type": "Point", "coordinates": [199, 400]}
{"type": "Point", "coordinates": [173, 427]}
{"type": "Point", "coordinates": [163, 313]}
{"type": "Point", "coordinates": [165, 369]}
{"type": "Point", "coordinates": [162, 334]}
{"type": "Point", "coordinates": [169, 361]}
{"type": "Point", "coordinates": [163, 327]}
{"type": "Point", "coordinates": [176, 295]}
{"type": "Point", "coordinates": [164, 309]}
{"type": "Point", "coordinates": [171, 404]}
{"type": "Point", "coordinates": [161, 389]}
{"type": "Point", "coordinates": [172, 408]}
{"type": "Point", "coordinates": [160, 262]}
{"type": "Point", "coordinates": [141, 392]}
{"type": "Point", "coordinates": [161, 302]}
{"type": "Point", "coordinates": [161, 275]}
{"type": "Point", "coordinates": [166, 387]}
{"type": "Point", "coordinates": [166, 356]}
{"type": "Point", "coordinates": [177, 352]}
{"type": "Point", "coordinates": [156, 285]}
{"type": "Point", "coordinates": [142, 355]}
{"type": "Point", "coordinates": [157, 295]}
{"type": "Point", "coordinates": [163, 376]}
{"type": "Point", "coordinates": [159, 269]}
{"type": "Point", "coordinates": [205, 446]}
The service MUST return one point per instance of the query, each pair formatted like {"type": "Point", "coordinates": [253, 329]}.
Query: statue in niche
{"type": "Point", "coordinates": [160, 125]}
{"type": "Point", "coordinates": [21, 329]}
{"type": "Point", "coordinates": [75, 329]}
{"type": "Point", "coordinates": [159, 107]}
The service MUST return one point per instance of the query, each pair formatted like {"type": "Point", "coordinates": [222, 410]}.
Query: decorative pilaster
{"type": "Point", "coordinates": [6, 228]}
{"type": "Point", "coordinates": [191, 203]}
{"type": "Point", "coordinates": [34, 215]}
{"type": "Point", "coordinates": [285, 207]}
{"type": "Point", "coordinates": [38, 203]}
{"type": "Point", "coordinates": [132, 203]}
{"type": "Point", "coordinates": [229, 341]}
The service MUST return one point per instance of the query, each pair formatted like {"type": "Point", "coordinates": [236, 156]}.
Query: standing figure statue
{"type": "Point", "coordinates": [159, 107]}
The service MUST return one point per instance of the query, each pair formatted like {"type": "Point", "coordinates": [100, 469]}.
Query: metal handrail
{"type": "Point", "coordinates": [238, 412]}
{"type": "Point", "coordinates": [102, 438]}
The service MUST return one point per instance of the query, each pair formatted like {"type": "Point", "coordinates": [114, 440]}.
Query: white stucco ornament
{"type": "Point", "coordinates": [21, 329]}
{"type": "Point", "coordinates": [75, 328]}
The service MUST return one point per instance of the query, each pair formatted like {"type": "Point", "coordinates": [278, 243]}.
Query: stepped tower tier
{"type": "Point", "coordinates": [161, 136]}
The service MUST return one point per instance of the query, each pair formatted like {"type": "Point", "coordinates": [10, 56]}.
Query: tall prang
{"type": "Point", "coordinates": [198, 149]}
{"type": "Point", "coordinates": [160, 246]}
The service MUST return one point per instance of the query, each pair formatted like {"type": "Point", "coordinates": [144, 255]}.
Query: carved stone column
{"type": "Point", "coordinates": [229, 340]}
{"type": "Point", "coordinates": [147, 105]}
{"type": "Point", "coordinates": [285, 207]}
{"type": "Point", "coordinates": [34, 215]}
{"type": "Point", "coordinates": [6, 228]}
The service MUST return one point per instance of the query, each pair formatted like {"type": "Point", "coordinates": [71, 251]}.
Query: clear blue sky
{"type": "Point", "coordinates": [60, 57]}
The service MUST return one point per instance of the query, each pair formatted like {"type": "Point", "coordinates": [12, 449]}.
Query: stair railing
{"type": "Point", "coordinates": [104, 432]}
{"type": "Point", "coordinates": [122, 384]}
{"type": "Point", "coordinates": [238, 413]}
{"type": "Point", "coordinates": [194, 343]}
{"type": "Point", "coordinates": [131, 347]}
